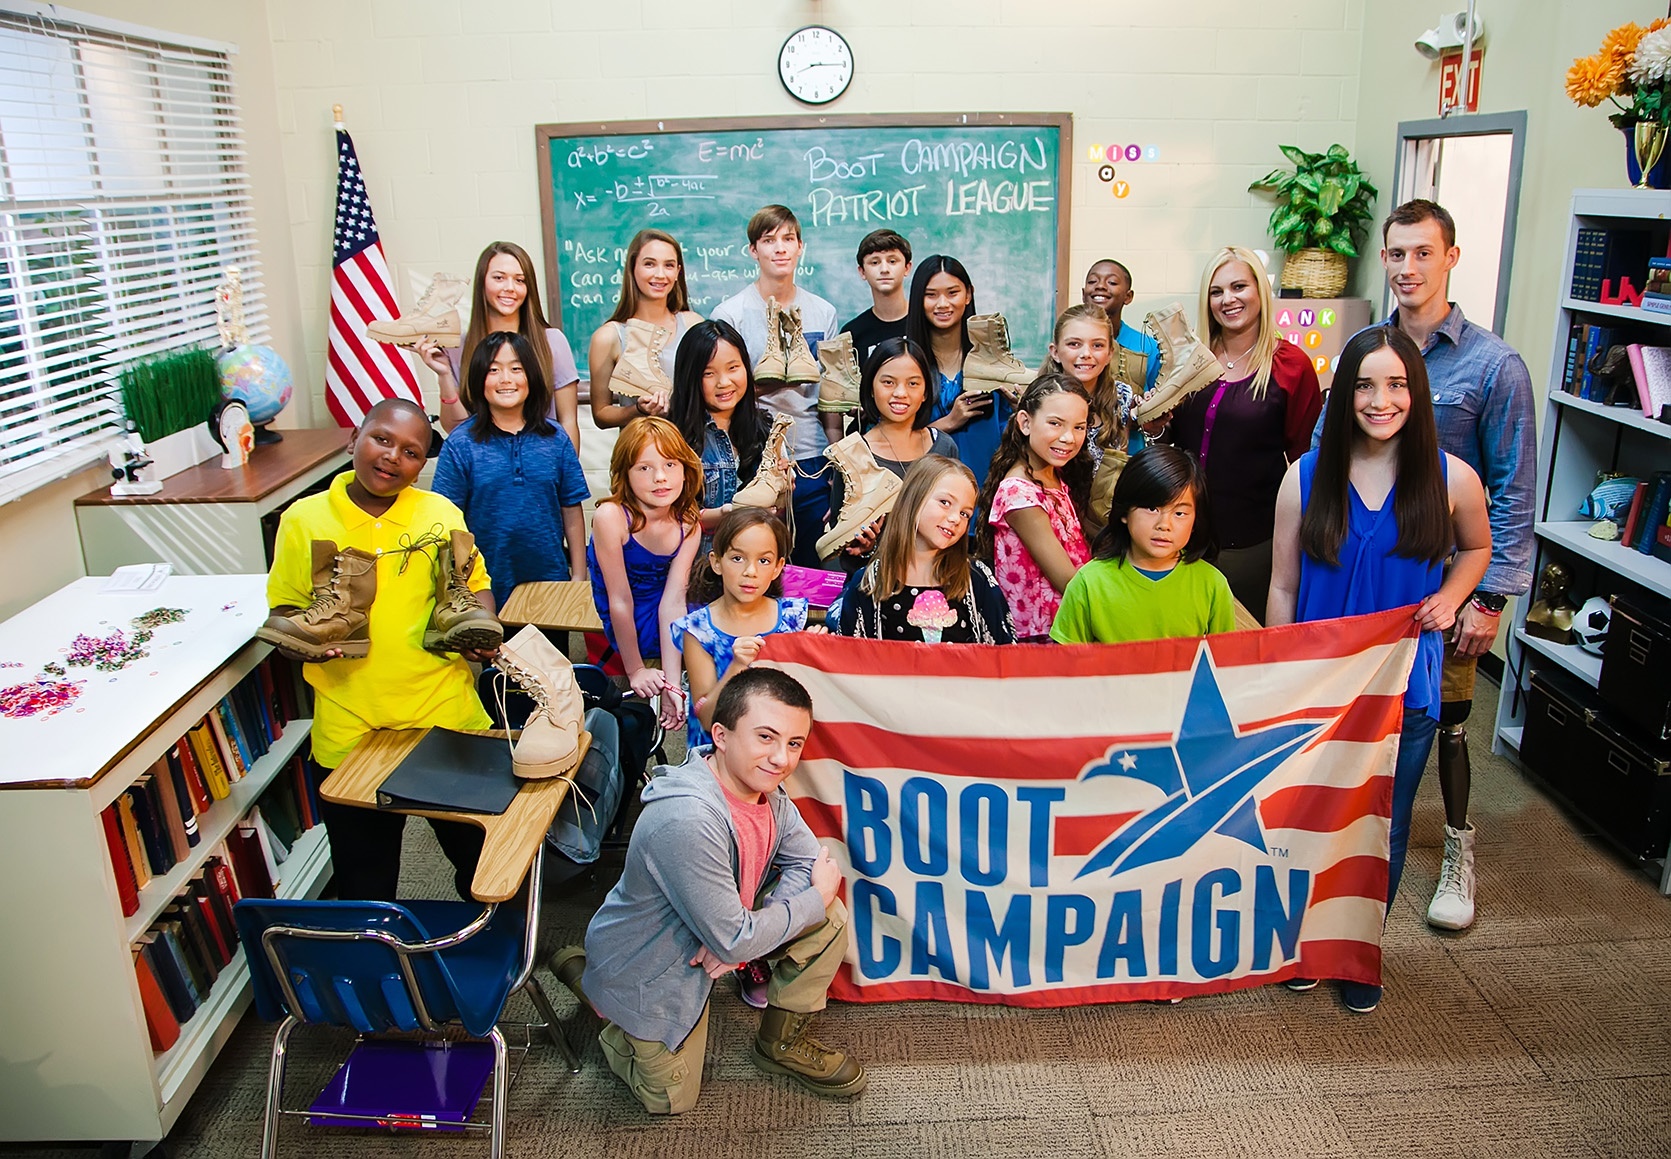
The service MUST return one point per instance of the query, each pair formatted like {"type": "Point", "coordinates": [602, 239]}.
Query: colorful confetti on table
{"type": "Point", "coordinates": [157, 617]}
{"type": "Point", "coordinates": [11, 664]}
{"type": "Point", "coordinates": [38, 698]}
{"type": "Point", "coordinates": [109, 653]}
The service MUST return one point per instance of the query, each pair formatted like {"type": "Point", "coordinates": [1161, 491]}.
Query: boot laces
{"type": "Point", "coordinates": [798, 1042]}
{"type": "Point", "coordinates": [507, 670]}
{"type": "Point", "coordinates": [328, 600]}
{"type": "Point", "coordinates": [409, 546]}
{"type": "Point", "coordinates": [1453, 873]}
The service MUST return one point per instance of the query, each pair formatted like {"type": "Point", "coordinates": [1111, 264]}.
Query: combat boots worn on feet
{"type": "Point", "coordinates": [639, 372]}
{"type": "Point", "coordinates": [776, 474]}
{"type": "Point", "coordinates": [798, 363]}
{"type": "Point", "coordinates": [459, 621]}
{"type": "Point", "coordinates": [989, 364]}
{"type": "Point", "coordinates": [550, 742]}
{"type": "Point", "coordinates": [1452, 907]}
{"type": "Point", "coordinates": [1186, 363]}
{"type": "Point", "coordinates": [785, 1046]}
{"type": "Point", "coordinates": [838, 388]}
{"type": "Point", "coordinates": [869, 491]}
{"type": "Point", "coordinates": [344, 584]}
{"type": "Point", "coordinates": [435, 316]}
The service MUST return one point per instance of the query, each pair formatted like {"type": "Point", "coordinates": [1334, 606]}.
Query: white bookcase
{"type": "Point", "coordinates": [1578, 439]}
{"type": "Point", "coordinates": [75, 1058]}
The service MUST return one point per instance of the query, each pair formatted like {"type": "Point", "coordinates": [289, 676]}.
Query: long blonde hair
{"type": "Point", "coordinates": [1264, 349]}
{"type": "Point", "coordinates": [899, 535]}
{"type": "Point", "coordinates": [1105, 396]}
{"type": "Point", "coordinates": [530, 318]}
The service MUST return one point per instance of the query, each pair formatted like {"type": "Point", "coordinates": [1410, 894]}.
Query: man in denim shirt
{"type": "Point", "coordinates": [1482, 401]}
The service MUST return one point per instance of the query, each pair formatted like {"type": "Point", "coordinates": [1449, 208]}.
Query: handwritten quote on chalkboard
{"type": "Point", "coordinates": [990, 195]}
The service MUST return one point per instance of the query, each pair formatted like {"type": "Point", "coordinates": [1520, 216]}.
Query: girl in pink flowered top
{"type": "Point", "coordinates": [1033, 500]}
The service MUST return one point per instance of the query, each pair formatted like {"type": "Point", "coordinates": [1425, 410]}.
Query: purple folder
{"type": "Point", "coordinates": [430, 1086]}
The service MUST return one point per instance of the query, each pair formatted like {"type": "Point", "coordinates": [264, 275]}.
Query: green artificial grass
{"type": "Point", "coordinates": [171, 392]}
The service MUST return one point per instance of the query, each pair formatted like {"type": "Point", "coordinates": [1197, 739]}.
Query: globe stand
{"type": "Point", "coordinates": [266, 436]}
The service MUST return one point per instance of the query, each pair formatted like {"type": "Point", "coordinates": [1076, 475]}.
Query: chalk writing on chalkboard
{"type": "Point", "coordinates": [989, 189]}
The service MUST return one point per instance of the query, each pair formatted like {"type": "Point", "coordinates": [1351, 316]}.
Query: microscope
{"type": "Point", "coordinates": [130, 466]}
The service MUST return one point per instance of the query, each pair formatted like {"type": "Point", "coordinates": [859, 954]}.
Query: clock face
{"type": "Point", "coordinates": [815, 65]}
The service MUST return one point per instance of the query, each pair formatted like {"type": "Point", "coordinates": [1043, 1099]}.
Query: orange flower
{"type": "Point", "coordinates": [1618, 46]}
{"type": "Point", "coordinates": [1592, 79]}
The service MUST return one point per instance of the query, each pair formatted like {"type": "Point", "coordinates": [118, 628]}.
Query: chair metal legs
{"type": "Point", "coordinates": [552, 1027]}
{"type": "Point", "coordinates": [275, 1088]}
{"type": "Point", "coordinates": [501, 1092]}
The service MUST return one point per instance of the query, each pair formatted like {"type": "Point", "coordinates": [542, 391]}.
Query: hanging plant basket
{"type": "Point", "coordinates": [1317, 273]}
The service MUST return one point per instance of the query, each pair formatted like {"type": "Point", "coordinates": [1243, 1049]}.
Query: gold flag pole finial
{"type": "Point", "coordinates": [336, 115]}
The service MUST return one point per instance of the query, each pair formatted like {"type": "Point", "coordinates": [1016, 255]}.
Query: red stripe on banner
{"type": "Point", "coordinates": [1360, 876]}
{"type": "Point", "coordinates": [1366, 720]}
{"type": "Point", "coordinates": [825, 820]}
{"type": "Point", "coordinates": [865, 746]}
{"type": "Point", "coordinates": [1326, 808]}
{"type": "Point", "coordinates": [374, 276]}
{"type": "Point", "coordinates": [1319, 640]}
{"type": "Point", "coordinates": [1076, 836]}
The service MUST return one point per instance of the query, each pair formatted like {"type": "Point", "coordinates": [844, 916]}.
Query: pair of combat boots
{"type": "Point", "coordinates": [869, 490]}
{"type": "Point", "coordinates": [787, 357]}
{"type": "Point", "coordinates": [435, 316]}
{"type": "Point", "coordinates": [989, 365]}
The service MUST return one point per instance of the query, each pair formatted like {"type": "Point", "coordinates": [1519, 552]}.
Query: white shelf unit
{"type": "Point", "coordinates": [74, 1050]}
{"type": "Point", "coordinates": [1578, 439]}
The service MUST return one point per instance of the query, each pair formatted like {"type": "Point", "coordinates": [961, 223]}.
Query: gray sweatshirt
{"type": "Point", "coordinates": [679, 892]}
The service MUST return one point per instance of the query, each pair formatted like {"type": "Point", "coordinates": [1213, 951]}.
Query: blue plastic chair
{"type": "Point", "coordinates": [378, 967]}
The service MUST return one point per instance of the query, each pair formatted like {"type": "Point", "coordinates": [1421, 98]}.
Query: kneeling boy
{"type": "Point", "coordinates": [689, 907]}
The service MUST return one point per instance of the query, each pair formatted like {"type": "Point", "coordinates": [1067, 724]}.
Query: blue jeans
{"type": "Point", "coordinates": [812, 504]}
{"type": "Point", "coordinates": [1414, 745]}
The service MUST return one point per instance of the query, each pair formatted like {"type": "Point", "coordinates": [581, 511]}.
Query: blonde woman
{"type": "Point", "coordinates": [1249, 425]}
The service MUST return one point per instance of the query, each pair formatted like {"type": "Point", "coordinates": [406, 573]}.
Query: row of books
{"type": "Point", "coordinates": [1642, 381]}
{"type": "Point", "coordinates": [1605, 259]}
{"type": "Point", "coordinates": [152, 826]}
{"type": "Point", "coordinates": [1646, 527]}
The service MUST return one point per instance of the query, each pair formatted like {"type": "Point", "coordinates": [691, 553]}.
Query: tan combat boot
{"type": "Point", "coordinates": [550, 742]}
{"type": "Point", "coordinates": [989, 365]}
{"type": "Point", "coordinates": [459, 621]}
{"type": "Point", "coordinates": [798, 362]}
{"type": "Point", "coordinates": [838, 387]}
{"type": "Point", "coordinates": [777, 470]}
{"type": "Point", "coordinates": [1102, 490]}
{"type": "Point", "coordinates": [435, 316]}
{"type": "Point", "coordinates": [639, 371]}
{"type": "Point", "coordinates": [344, 584]}
{"type": "Point", "coordinates": [869, 491]}
{"type": "Point", "coordinates": [773, 365]}
{"type": "Point", "coordinates": [1186, 363]}
{"type": "Point", "coordinates": [785, 1046]}
{"type": "Point", "coordinates": [1130, 367]}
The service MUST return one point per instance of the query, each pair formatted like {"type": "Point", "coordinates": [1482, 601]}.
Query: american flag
{"type": "Point", "coordinates": [358, 371]}
{"type": "Point", "coordinates": [1044, 826]}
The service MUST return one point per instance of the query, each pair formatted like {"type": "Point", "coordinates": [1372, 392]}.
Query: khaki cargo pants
{"type": "Point", "coordinates": [668, 1081]}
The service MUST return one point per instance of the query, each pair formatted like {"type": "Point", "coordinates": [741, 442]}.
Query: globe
{"type": "Point", "coordinates": [258, 377]}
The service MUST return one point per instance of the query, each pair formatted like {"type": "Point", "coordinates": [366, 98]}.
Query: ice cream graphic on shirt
{"type": "Point", "coordinates": [932, 614]}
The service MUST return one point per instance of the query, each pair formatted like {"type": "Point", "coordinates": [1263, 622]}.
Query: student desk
{"type": "Point", "coordinates": [513, 838]}
{"type": "Point", "coordinates": [558, 606]}
{"type": "Point", "coordinates": [1244, 619]}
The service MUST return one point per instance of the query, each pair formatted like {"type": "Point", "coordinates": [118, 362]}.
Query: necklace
{"type": "Point", "coordinates": [897, 457]}
{"type": "Point", "coordinates": [1230, 363]}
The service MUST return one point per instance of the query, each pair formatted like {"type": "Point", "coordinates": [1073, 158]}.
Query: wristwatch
{"type": "Point", "coordinates": [1491, 603]}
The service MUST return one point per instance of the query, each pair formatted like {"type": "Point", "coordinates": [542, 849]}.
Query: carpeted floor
{"type": "Point", "coordinates": [1543, 1031]}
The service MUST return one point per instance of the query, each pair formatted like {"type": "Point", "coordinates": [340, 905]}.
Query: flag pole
{"type": "Point", "coordinates": [336, 116]}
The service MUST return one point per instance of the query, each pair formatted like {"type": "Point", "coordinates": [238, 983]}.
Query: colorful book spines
{"type": "Point", "coordinates": [179, 958]}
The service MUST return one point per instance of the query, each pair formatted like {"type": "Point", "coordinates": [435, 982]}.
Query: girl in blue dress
{"type": "Point", "coordinates": [1378, 518]}
{"type": "Point", "coordinates": [937, 319]}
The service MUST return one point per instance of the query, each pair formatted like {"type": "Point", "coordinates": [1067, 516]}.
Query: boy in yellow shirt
{"type": "Point", "coordinates": [393, 683]}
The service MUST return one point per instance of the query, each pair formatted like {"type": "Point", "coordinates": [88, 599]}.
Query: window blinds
{"type": "Point", "coordinates": [122, 197]}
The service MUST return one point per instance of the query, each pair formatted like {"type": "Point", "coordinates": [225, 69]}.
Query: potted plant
{"type": "Point", "coordinates": [1322, 212]}
{"type": "Point", "coordinates": [1633, 70]}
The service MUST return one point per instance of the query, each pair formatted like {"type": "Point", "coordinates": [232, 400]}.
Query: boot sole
{"type": "Point", "coordinates": [824, 1090]}
{"type": "Point", "coordinates": [1444, 925]}
{"type": "Point", "coordinates": [546, 770]}
{"type": "Point", "coordinates": [350, 649]}
{"type": "Point", "coordinates": [477, 637]}
{"type": "Point", "coordinates": [449, 339]}
{"type": "Point", "coordinates": [1162, 402]}
{"type": "Point", "coordinates": [626, 389]}
{"type": "Point", "coordinates": [848, 526]}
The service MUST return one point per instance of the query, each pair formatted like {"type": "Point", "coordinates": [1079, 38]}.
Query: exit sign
{"type": "Point", "coordinates": [1450, 83]}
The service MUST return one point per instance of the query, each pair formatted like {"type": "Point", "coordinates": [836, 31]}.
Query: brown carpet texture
{"type": "Point", "coordinates": [1543, 1031]}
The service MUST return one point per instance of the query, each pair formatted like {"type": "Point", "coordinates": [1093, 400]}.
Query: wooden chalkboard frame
{"type": "Point", "coordinates": [544, 134]}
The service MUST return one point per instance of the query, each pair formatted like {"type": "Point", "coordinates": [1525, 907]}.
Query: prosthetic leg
{"type": "Point", "coordinates": [1452, 907]}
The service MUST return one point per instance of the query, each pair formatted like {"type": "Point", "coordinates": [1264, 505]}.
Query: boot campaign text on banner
{"type": "Point", "coordinates": [1206, 815]}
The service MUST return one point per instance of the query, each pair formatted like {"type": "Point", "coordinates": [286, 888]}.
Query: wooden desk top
{"type": "Point", "coordinates": [514, 837]}
{"type": "Point", "coordinates": [562, 606]}
{"type": "Point", "coordinates": [1244, 619]}
{"type": "Point", "coordinates": [269, 468]}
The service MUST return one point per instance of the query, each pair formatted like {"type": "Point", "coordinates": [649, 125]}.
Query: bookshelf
{"type": "Point", "coordinates": [1580, 437]}
{"type": "Point", "coordinates": [75, 1056]}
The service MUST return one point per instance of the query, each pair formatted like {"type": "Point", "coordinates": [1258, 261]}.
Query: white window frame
{"type": "Point", "coordinates": [146, 183]}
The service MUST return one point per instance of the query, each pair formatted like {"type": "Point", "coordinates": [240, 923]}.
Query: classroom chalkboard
{"type": "Point", "coordinates": [990, 189]}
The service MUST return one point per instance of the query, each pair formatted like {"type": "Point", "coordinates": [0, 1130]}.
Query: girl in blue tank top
{"type": "Point", "coordinates": [644, 537]}
{"type": "Point", "coordinates": [1367, 523]}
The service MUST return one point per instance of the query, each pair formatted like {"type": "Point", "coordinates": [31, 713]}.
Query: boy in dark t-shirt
{"type": "Point", "coordinates": [885, 265]}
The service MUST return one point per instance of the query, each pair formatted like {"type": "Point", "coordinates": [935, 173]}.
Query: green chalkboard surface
{"type": "Point", "coordinates": [990, 189]}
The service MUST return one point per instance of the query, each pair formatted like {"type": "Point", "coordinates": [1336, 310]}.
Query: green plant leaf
{"type": "Point", "coordinates": [1337, 152]}
{"type": "Point", "coordinates": [1349, 187]}
{"type": "Point", "coordinates": [1309, 183]}
{"type": "Point", "coordinates": [1287, 223]}
{"type": "Point", "coordinates": [1329, 200]}
{"type": "Point", "coordinates": [1321, 229]}
{"type": "Point", "coordinates": [1298, 156]}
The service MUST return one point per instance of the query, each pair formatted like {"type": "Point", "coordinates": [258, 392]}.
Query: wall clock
{"type": "Point", "coordinates": [815, 65]}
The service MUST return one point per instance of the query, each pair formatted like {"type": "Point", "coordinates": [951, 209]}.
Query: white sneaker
{"type": "Point", "coordinates": [1453, 902]}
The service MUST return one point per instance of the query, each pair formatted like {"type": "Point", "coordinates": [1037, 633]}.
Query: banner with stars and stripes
{"type": "Point", "coordinates": [1053, 826]}
{"type": "Point", "coordinates": [358, 371]}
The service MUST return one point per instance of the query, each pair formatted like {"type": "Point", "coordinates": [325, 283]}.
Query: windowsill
{"type": "Point", "coordinates": [17, 486]}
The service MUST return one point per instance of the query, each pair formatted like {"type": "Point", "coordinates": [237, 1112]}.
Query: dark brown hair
{"type": "Point", "coordinates": [678, 298]}
{"type": "Point", "coordinates": [881, 354]}
{"type": "Point", "coordinates": [1418, 210]}
{"type": "Point", "coordinates": [535, 407]}
{"type": "Point", "coordinates": [705, 584]}
{"type": "Point", "coordinates": [1075, 474]}
{"type": "Point", "coordinates": [1155, 477]}
{"type": "Point", "coordinates": [530, 318]}
{"type": "Point", "coordinates": [769, 217]}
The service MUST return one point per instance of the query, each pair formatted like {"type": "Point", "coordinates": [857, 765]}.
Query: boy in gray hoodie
{"type": "Point", "coordinates": [697, 897]}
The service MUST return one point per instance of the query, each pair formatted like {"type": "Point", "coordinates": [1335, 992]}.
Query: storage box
{"type": "Point", "coordinates": [1558, 715]}
{"type": "Point", "coordinates": [1636, 669]}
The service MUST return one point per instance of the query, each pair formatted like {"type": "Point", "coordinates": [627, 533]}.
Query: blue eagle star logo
{"type": "Point", "coordinates": [1208, 772]}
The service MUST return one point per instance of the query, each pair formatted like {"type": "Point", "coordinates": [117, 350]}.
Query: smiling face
{"type": "Point", "coordinates": [1418, 264]}
{"type": "Point", "coordinates": [885, 271]}
{"type": "Point", "coordinates": [1106, 285]}
{"type": "Point", "coordinates": [749, 565]}
{"type": "Point", "coordinates": [724, 379]}
{"type": "Point", "coordinates": [1233, 298]}
{"type": "Point", "coordinates": [504, 286]}
{"type": "Point", "coordinates": [1160, 534]}
{"type": "Point", "coordinates": [1083, 350]}
{"type": "Point", "coordinates": [899, 390]}
{"type": "Point", "coordinates": [943, 519]}
{"type": "Point", "coordinates": [945, 300]}
{"type": "Point", "coordinates": [778, 250]}
{"type": "Point", "coordinates": [506, 387]}
{"type": "Point", "coordinates": [754, 758]}
{"type": "Point", "coordinates": [1056, 431]}
{"type": "Point", "coordinates": [656, 271]}
{"type": "Point", "coordinates": [1381, 396]}
{"type": "Point", "coordinates": [390, 448]}
{"type": "Point", "coordinates": [656, 478]}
